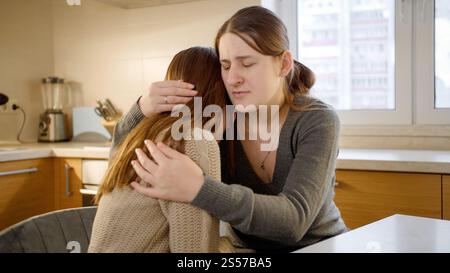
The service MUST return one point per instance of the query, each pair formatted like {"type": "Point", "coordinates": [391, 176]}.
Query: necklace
{"type": "Point", "coordinates": [264, 160]}
{"type": "Point", "coordinates": [262, 166]}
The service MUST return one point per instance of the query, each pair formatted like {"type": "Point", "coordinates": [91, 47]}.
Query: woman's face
{"type": "Point", "coordinates": [250, 77]}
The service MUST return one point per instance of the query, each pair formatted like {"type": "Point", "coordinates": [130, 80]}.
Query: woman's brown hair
{"type": "Point", "coordinates": [263, 31]}
{"type": "Point", "coordinates": [197, 65]}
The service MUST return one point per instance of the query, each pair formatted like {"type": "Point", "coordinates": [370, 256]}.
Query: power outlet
{"type": "Point", "coordinates": [7, 108]}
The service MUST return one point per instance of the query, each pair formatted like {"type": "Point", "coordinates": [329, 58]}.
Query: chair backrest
{"type": "Point", "coordinates": [61, 231]}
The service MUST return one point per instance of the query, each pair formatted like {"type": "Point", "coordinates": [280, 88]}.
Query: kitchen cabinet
{"type": "Point", "coordinates": [68, 179]}
{"type": "Point", "coordinates": [25, 188]}
{"type": "Point", "coordinates": [446, 197]}
{"type": "Point", "coordinates": [367, 196]}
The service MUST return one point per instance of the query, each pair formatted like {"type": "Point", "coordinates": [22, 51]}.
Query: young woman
{"type": "Point", "coordinates": [127, 221]}
{"type": "Point", "coordinates": [274, 200]}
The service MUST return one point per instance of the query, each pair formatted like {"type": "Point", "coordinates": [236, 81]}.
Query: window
{"type": "Point", "coordinates": [378, 62]}
{"type": "Point", "coordinates": [442, 53]}
{"type": "Point", "coordinates": [354, 56]}
{"type": "Point", "coordinates": [431, 58]}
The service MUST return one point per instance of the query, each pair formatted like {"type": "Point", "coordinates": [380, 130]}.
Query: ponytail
{"type": "Point", "coordinates": [301, 79]}
{"type": "Point", "coordinates": [298, 84]}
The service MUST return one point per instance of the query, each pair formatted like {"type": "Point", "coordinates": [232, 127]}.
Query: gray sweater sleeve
{"type": "Point", "coordinates": [125, 125]}
{"type": "Point", "coordinates": [284, 218]}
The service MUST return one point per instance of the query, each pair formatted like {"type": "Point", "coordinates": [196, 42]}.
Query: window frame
{"type": "Point", "coordinates": [414, 68]}
{"type": "Point", "coordinates": [424, 56]}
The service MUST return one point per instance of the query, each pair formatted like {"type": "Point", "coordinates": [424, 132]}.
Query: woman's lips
{"type": "Point", "coordinates": [240, 94]}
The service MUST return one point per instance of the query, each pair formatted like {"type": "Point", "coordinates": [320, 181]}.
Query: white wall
{"type": "Point", "coordinates": [26, 56]}
{"type": "Point", "coordinates": [116, 53]}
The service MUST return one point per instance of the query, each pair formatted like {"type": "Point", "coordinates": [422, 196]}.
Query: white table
{"type": "Point", "coordinates": [394, 234]}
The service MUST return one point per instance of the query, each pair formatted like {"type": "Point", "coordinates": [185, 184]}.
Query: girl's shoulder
{"type": "Point", "coordinates": [203, 149]}
{"type": "Point", "coordinates": [201, 142]}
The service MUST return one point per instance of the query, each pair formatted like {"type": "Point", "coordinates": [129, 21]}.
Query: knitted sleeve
{"type": "Point", "coordinates": [125, 125]}
{"type": "Point", "coordinates": [192, 229]}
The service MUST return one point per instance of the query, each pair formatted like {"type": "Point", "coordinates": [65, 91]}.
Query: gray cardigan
{"type": "Point", "coordinates": [294, 210]}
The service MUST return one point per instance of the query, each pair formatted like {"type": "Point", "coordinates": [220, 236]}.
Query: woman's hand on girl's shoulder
{"type": "Point", "coordinates": [171, 175]}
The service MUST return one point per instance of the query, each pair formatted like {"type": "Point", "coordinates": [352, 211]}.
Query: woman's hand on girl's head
{"type": "Point", "coordinates": [171, 175]}
{"type": "Point", "coordinates": [163, 96]}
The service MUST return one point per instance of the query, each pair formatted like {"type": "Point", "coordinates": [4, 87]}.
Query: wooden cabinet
{"type": "Point", "coordinates": [26, 189]}
{"type": "Point", "coordinates": [68, 183]}
{"type": "Point", "coordinates": [364, 196]}
{"type": "Point", "coordinates": [446, 197]}
{"type": "Point", "coordinates": [32, 187]}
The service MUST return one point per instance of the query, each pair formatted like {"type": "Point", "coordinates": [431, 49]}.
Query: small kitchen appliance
{"type": "Point", "coordinates": [53, 126]}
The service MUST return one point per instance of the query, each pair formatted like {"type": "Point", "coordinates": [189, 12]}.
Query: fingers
{"type": "Point", "coordinates": [178, 84]}
{"type": "Point", "coordinates": [164, 95]}
{"type": "Point", "coordinates": [142, 173]}
{"type": "Point", "coordinates": [146, 162]}
{"type": "Point", "coordinates": [176, 91]}
{"type": "Point", "coordinates": [175, 100]}
{"type": "Point", "coordinates": [173, 88]}
{"type": "Point", "coordinates": [172, 101]}
{"type": "Point", "coordinates": [148, 191]}
{"type": "Point", "coordinates": [164, 107]}
{"type": "Point", "coordinates": [159, 157]}
{"type": "Point", "coordinates": [169, 152]}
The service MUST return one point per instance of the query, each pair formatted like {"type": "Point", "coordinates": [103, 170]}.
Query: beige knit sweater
{"type": "Point", "coordinates": [127, 221]}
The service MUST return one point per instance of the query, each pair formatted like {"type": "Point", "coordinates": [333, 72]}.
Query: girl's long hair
{"type": "Point", "coordinates": [197, 65]}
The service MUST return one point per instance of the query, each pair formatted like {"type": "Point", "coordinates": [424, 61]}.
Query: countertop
{"type": "Point", "coordinates": [394, 234]}
{"type": "Point", "coordinates": [62, 149]}
{"type": "Point", "coordinates": [423, 161]}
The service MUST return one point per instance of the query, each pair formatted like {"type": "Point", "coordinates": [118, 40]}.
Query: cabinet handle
{"type": "Point", "coordinates": [88, 192]}
{"type": "Point", "coordinates": [337, 183]}
{"type": "Point", "coordinates": [67, 169]}
{"type": "Point", "coordinates": [30, 170]}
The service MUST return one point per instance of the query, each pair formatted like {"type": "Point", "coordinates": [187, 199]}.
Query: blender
{"type": "Point", "coordinates": [53, 126]}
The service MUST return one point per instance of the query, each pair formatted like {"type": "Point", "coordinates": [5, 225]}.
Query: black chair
{"type": "Point", "coordinates": [61, 231]}
{"type": "Point", "coordinates": [66, 231]}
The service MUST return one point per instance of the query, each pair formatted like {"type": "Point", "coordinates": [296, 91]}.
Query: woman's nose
{"type": "Point", "coordinates": [234, 78]}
